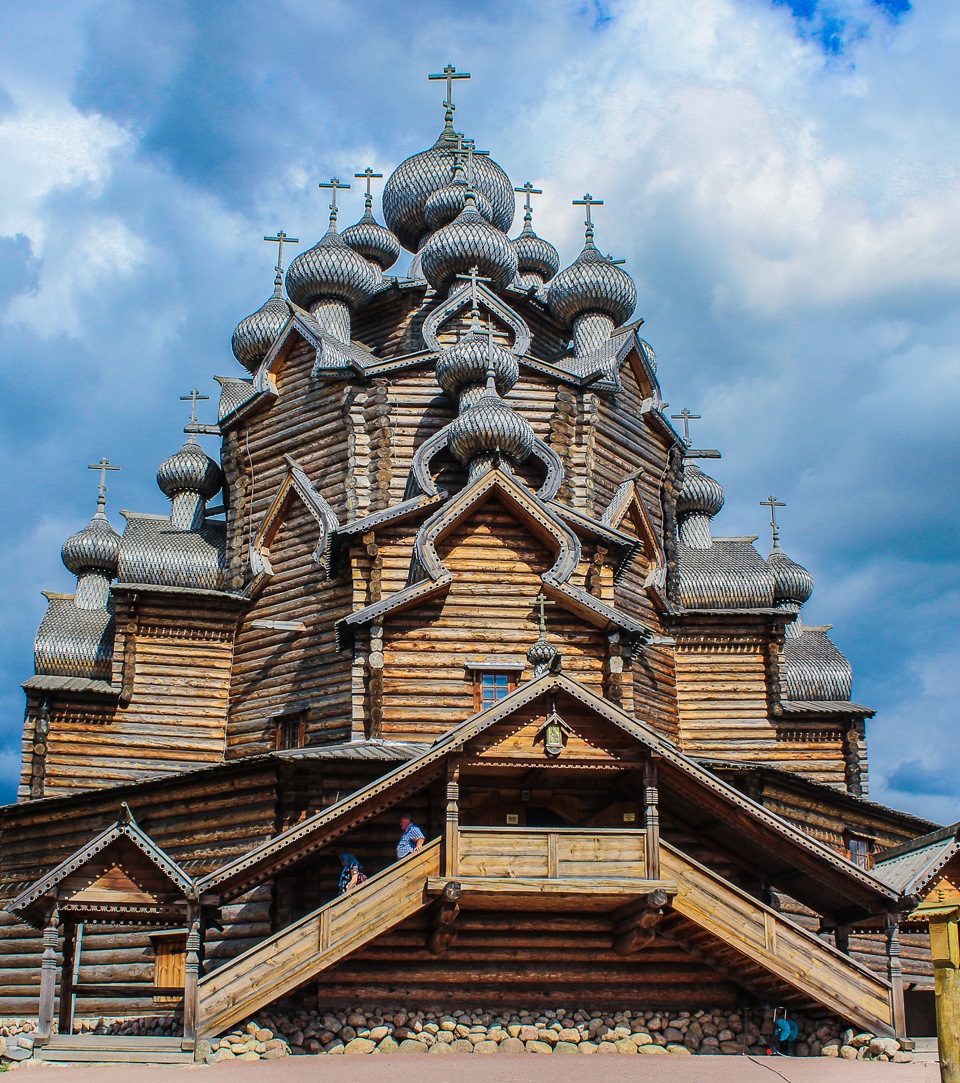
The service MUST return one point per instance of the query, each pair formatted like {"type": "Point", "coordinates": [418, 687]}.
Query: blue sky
{"type": "Point", "coordinates": [781, 179]}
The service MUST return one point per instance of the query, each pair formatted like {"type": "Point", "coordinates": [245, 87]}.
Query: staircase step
{"type": "Point", "coordinates": [112, 1056]}
{"type": "Point", "coordinates": [113, 1041]}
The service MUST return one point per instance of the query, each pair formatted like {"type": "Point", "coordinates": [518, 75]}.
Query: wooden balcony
{"type": "Point", "coordinates": [598, 869]}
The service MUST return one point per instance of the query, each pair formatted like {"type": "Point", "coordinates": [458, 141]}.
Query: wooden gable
{"type": "Point", "coordinates": [119, 875]}
{"type": "Point", "coordinates": [588, 740]}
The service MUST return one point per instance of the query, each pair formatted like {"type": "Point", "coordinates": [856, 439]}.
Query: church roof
{"type": "Point", "coordinates": [154, 552]}
{"type": "Point", "coordinates": [814, 669]}
{"type": "Point", "coordinates": [730, 574]}
{"type": "Point", "coordinates": [908, 868]}
{"type": "Point", "coordinates": [74, 642]}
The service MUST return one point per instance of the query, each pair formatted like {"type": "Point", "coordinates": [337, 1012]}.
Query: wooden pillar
{"type": "Point", "coordinates": [48, 978]}
{"type": "Point", "coordinates": [895, 974]}
{"type": "Point", "coordinates": [66, 976]}
{"type": "Point", "coordinates": [945, 949]}
{"type": "Point", "coordinates": [651, 819]}
{"type": "Point", "coordinates": [451, 831]}
{"type": "Point", "coordinates": [841, 937]}
{"type": "Point", "coordinates": [191, 977]}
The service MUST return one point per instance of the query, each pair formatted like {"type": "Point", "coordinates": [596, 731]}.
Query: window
{"type": "Point", "coordinates": [290, 731]}
{"type": "Point", "coordinates": [859, 851]}
{"type": "Point", "coordinates": [491, 686]}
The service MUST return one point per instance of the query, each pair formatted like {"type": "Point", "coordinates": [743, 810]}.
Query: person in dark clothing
{"type": "Point", "coordinates": [351, 874]}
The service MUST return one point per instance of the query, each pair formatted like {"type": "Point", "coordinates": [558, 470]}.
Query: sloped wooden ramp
{"type": "Point", "coordinates": [740, 936]}
{"type": "Point", "coordinates": [299, 952]}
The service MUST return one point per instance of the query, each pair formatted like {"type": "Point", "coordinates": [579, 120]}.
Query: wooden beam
{"type": "Point", "coordinates": [534, 885]}
{"type": "Point", "coordinates": [48, 978]}
{"type": "Point", "coordinates": [65, 1024]}
{"type": "Point", "coordinates": [651, 819]}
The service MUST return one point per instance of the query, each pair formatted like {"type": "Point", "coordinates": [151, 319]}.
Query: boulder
{"type": "Point", "coordinates": [536, 1046]}
{"type": "Point", "coordinates": [510, 1045]}
{"type": "Point", "coordinates": [411, 1045]}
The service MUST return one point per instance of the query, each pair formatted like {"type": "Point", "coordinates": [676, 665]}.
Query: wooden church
{"type": "Point", "coordinates": [454, 563]}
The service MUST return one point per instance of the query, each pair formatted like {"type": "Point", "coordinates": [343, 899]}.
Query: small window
{"type": "Point", "coordinates": [859, 850]}
{"type": "Point", "coordinates": [291, 731]}
{"type": "Point", "coordinates": [491, 686]}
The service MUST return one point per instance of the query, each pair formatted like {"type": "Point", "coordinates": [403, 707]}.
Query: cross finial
{"type": "Point", "coordinates": [686, 417]}
{"type": "Point", "coordinates": [474, 277]}
{"type": "Point", "coordinates": [543, 601]}
{"type": "Point", "coordinates": [280, 240]}
{"type": "Point", "coordinates": [103, 466]}
{"type": "Point", "coordinates": [588, 201]}
{"type": "Point", "coordinates": [528, 191]}
{"type": "Point", "coordinates": [334, 186]}
{"type": "Point", "coordinates": [772, 503]}
{"type": "Point", "coordinates": [367, 175]}
{"type": "Point", "coordinates": [448, 74]}
{"type": "Point", "coordinates": [193, 398]}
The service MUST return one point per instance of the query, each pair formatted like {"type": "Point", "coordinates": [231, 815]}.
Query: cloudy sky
{"type": "Point", "coordinates": [781, 178]}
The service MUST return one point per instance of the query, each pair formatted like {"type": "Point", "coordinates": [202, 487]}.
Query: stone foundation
{"type": "Point", "coordinates": [392, 1030]}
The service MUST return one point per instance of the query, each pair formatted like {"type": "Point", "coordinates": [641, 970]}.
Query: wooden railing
{"type": "Point", "coordinates": [776, 943]}
{"type": "Point", "coordinates": [567, 852]}
{"type": "Point", "coordinates": [299, 952]}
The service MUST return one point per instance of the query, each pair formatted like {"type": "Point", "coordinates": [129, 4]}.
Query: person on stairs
{"type": "Point", "coordinates": [351, 874]}
{"type": "Point", "coordinates": [411, 839]}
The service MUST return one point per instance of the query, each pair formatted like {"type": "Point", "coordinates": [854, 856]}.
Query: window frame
{"type": "Point", "coordinates": [282, 722]}
{"type": "Point", "coordinates": [479, 675]}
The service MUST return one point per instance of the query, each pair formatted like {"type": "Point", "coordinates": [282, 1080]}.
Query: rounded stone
{"type": "Point", "coordinates": [566, 1047]}
{"type": "Point", "coordinates": [538, 1047]}
{"type": "Point", "coordinates": [360, 1045]}
{"type": "Point", "coordinates": [511, 1045]}
{"type": "Point", "coordinates": [412, 1045]}
{"type": "Point", "coordinates": [486, 1046]}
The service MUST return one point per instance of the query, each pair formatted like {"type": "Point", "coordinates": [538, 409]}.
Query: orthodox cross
{"type": "Point", "coordinates": [588, 201]}
{"type": "Point", "coordinates": [334, 186]}
{"type": "Point", "coordinates": [528, 190]}
{"type": "Point", "coordinates": [280, 240]}
{"type": "Point", "coordinates": [543, 601]}
{"type": "Point", "coordinates": [368, 175]}
{"type": "Point", "coordinates": [448, 74]}
{"type": "Point", "coordinates": [471, 148]}
{"type": "Point", "coordinates": [686, 417]}
{"type": "Point", "coordinates": [103, 466]}
{"type": "Point", "coordinates": [772, 503]}
{"type": "Point", "coordinates": [193, 398]}
{"type": "Point", "coordinates": [473, 278]}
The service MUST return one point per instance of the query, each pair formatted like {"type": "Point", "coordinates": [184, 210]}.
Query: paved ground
{"type": "Point", "coordinates": [517, 1068]}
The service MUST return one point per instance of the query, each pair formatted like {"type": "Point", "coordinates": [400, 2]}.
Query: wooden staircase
{"type": "Point", "coordinates": [732, 926]}
{"type": "Point", "coordinates": [298, 953]}
{"type": "Point", "coordinates": [112, 1049]}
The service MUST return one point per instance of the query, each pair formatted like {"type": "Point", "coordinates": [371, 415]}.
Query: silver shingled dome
{"type": "Point", "coordinates": [491, 426]}
{"type": "Point", "coordinates": [372, 241]}
{"type": "Point", "coordinates": [592, 284]}
{"type": "Point", "coordinates": [331, 270]}
{"type": "Point", "coordinates": [190, 470]}
{"type": "Point", "coordinates": [95, 548]}
{"type": "Point", "coordinates": [414, 180]}
{"type": "Point", "coordinates": [793, 584]}
{"type": "Point", "coordinates": [256, 333]}
{"type": "Point", "coordinates": [700, 494]}
{"type": "Point", "coordinates": [535, 255]}
{"type": "Point", "coordinates": [447, 202]}
{"type": "Point", "coordinates": [469, 241]}
{"type": "Point", "coordinates": [467, 363]}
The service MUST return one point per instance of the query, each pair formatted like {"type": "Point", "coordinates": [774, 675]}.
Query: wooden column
{"type": "Point", "coordinates": [895, 974]}
{"type": "Point", "coordinates": [451, 831]}
{"type": "Point", "coordinates": [651, 819]}
{"type": "Point", "coordinates": [842, 938]}
{"type": "Point", "coordinates": [48, 978]}
{"type": "Point", "coordinates": [945, 949]}
{"type": "Point", "coordinates": [66, 976]}
{"type": "Point", "coordinates": [191, 977]}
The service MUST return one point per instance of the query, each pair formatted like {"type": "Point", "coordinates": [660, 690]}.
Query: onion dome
{"type": "Point", "coordinates": [257, 332]}
{"type": "Point", "coordinates": [541, 654]}
{"type": "Point", "coordinates": [793, 584]}
{"type": "Point", "coordinates": [190, 470]}
{"type": "Point", "coordinates": [490, 426]}
{"type": "Point", "coordinates": [469, 361]}
{"type": "Point", "coordinates": [414, 180]}
{"type": "Point", "coordinates": [469, 241]}
{"type": "Point", "coordinates": [447, 202]}
{"type": "Point", "coordinates": [592, 283]}
{"type": "Point", "coordinates": [331, 270]}
{"type": "Point", "coordinates": [372, 241]}
{"type": "Point", "coordinates": [535, 255]}
{"type": "Point", "coordinates": [700, 494]}
{"type": "Point", "coordinates": [96, 548]}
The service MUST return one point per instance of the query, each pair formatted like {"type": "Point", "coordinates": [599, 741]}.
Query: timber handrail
{"type": "Point", "coordinates": [777, 943]}
{"type": "Point", "coordinates": [299, 952]}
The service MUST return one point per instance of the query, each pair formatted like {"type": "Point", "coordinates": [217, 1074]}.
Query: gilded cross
{"type": "Point", "coordinates": [368, 175]}
{"type": "Point", "coordinates": [280, 240]}
{"type": "Point", "coordinates": [448, 74]}
{"type": "Point", "coordinates": [686, 417]}
{"type": "Point", "coordinates": [772, 503]}
{"type": "Point", "coordinates": [193, 398]}
{"type": "Point", "coordinates": [103, 466]}
{"type": "Point", "coordinates": [528, 190]}
{"type": "Point", "coordinates": [334, 186]}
